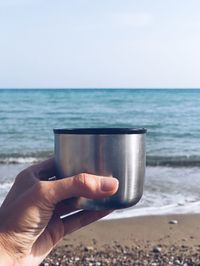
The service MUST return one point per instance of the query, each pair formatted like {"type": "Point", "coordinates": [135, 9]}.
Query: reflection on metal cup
{"type": "Point", "coordinates": [112, 152]}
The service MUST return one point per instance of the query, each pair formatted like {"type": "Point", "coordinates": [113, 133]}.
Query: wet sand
{"type": "Point", "coordinates": [151, 240]}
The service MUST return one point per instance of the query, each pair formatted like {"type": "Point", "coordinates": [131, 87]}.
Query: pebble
{"type": "Point", "coordinates": [173, 222]}
{"type": "Point", "coordinates": [144, 255]}
{"type": "Point", "coordinates": [89, 248]}
{"type": "Point", "coordinates": [157, 249]}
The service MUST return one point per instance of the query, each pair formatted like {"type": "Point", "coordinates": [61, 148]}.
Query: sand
{"type": "Point", "coordinates": [150, 240]}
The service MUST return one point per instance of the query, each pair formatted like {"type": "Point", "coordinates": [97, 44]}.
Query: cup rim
{"type": "Point", "coordinates": [99, 131]}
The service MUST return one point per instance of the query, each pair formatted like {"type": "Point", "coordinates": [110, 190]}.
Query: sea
{"type": "Point", "coordinates": [171, 117]}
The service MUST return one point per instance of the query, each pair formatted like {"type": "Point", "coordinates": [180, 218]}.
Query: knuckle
{"type": "Point", "coordinates": [87, 183]}
{"type": "Point", "coordinates": [80, 179]}
{"type": "Point", "coordinates": [18, 178]}
{"type": "Point", "coordinates": [22, 175]}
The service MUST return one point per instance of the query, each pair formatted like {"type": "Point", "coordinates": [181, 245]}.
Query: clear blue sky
{"type": "Point", "coordinates": [99, 43]}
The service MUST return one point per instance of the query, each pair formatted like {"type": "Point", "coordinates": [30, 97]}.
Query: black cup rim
{"type": "Point", "coordinates": [100, 131]}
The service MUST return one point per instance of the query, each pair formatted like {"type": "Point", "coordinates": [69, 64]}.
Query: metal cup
{"type": "Point", "coordinates": [112, 152]}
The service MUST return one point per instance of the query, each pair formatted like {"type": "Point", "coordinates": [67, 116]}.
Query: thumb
{"type": "Point", "coordinates": [82, 185]}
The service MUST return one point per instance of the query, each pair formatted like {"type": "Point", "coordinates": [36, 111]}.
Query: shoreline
{"type": "Point", "coordinates": [158, 228]}
{"type": "Point", "coordinates": [147, 240]}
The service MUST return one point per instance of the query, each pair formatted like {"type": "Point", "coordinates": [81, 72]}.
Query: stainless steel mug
{"type": "Point", "coordinates": [114, 152]}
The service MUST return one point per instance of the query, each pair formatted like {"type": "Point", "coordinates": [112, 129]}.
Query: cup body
{"type": "Point", "coordinates": [112, 152]}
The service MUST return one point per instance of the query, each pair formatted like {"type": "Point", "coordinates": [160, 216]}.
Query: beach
{"type": "Point", "coordinates": [149, 240]}
{"type": "Point", "coordinates": [139, 235]}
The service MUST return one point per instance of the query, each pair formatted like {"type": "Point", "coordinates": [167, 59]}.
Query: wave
{"type": "Point", "coordinates": [168, 161]}
{"type": "Point", "coordinates": [17, 158]}
{"type": "Point", "coordinates": [174, 161]}
{"type": "Point", "coordinates": [12, 160]}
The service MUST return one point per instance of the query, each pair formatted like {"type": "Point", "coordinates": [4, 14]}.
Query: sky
{"type": "Point", "coordinates": [99, 44]}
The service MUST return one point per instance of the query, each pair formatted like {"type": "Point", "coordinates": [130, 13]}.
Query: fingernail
{"type": "Point", "coordinates": [108, 183]}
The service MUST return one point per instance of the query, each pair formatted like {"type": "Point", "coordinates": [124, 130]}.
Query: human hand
{"type": "Point", "coordinates": [30, 223]}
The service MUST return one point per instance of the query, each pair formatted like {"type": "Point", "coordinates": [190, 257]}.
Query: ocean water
{"type": "Point", "coordinates": [27, 119]}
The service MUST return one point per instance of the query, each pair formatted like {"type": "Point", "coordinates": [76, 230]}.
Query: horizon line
{"type": "Point", "coordinates": [90, 88]}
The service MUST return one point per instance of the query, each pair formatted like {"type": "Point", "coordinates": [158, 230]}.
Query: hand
{"type": "Point", "coordinates": [30, 223]}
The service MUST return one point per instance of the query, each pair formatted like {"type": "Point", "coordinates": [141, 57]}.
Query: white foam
{"type": "Point", "coordinates": [190, 208]}
{"type": "Point", "coordinates": [19, 160]}
{"type": "Point", "coordinates": [5, 186]}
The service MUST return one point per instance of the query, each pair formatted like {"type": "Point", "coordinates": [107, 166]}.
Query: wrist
{"type": "Point", "coordinates": [8, 255]}
{"type": "Point", "coordinates": [5, 257]}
